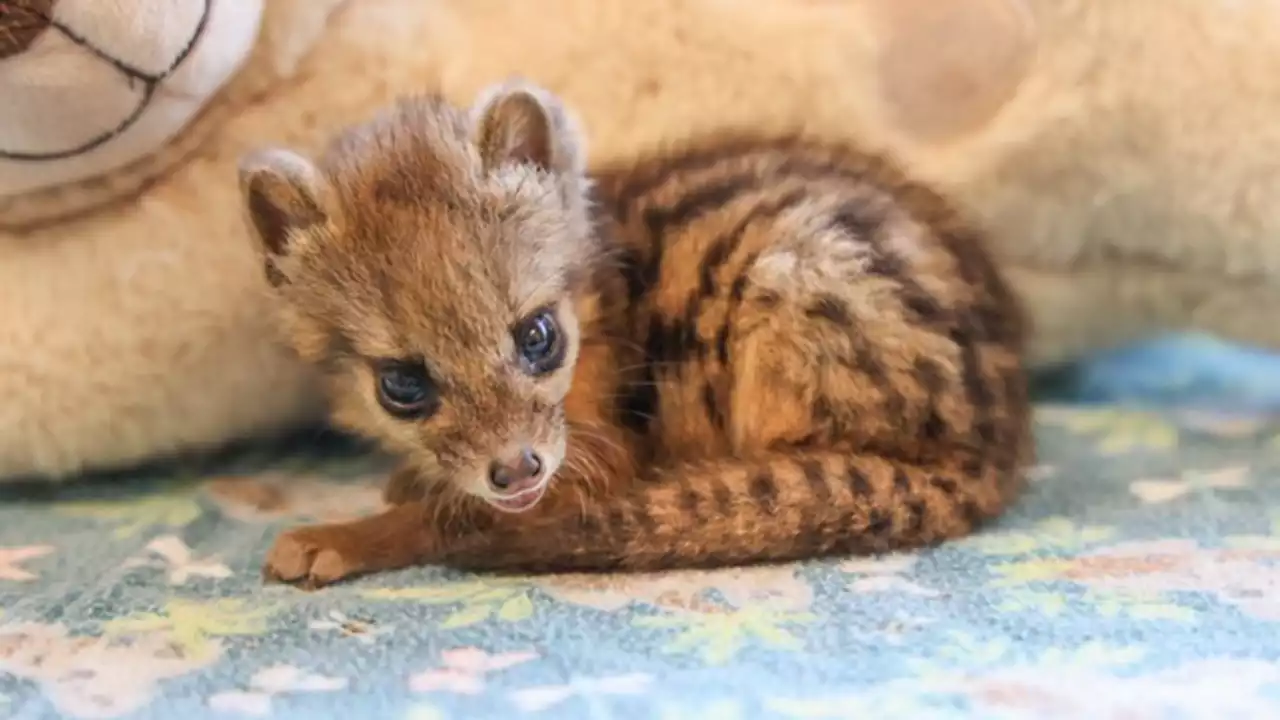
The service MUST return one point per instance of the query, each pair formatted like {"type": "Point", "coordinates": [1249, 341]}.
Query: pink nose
{"type": "Point", "coordinates": [515, 474]}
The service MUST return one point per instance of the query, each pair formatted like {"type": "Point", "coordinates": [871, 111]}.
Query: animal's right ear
{"type": "Point", "coordinates": [523, 123]}
{"type": "Point", "coordinates": [284, 195]}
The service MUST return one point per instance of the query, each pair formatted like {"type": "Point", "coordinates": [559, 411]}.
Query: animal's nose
{"type": "Point", "coordinates": [516, 473]}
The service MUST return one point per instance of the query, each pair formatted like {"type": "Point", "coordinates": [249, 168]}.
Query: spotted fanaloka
{"type": "Point", "coordinates": [733, 351]}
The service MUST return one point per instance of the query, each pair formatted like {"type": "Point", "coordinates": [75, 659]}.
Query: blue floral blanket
{"type": "Point", "coordinates": [1139, 578]}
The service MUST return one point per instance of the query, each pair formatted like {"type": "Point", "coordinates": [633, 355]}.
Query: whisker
{"type": "Point", "coordinates": [581, 497]}
{"type": "Point", "coordinates": [657, 364]}
{"type": "Point", "coordinates": [647, 416]}
{"type": "Point", "coordinates": [594, 432]}
{"type": "Point", "coordinates": [586, 467]}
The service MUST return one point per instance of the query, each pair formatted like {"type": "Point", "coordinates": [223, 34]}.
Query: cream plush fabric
{"type": "Point", "coordinates": [1121, 153]}
{"type": "Point", "coordinates": [134, 72]}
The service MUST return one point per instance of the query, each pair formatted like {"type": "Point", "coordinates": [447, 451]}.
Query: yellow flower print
{"type": "Point", "coordinates": [1092, 655]}
{"type": "Point", "coordinates": [175, 508]}
{"type": "Point", "coordinates": [1120, 430]}
{"type": "Point", "coordinates": [190, 624]}
{"type": "Point", "coordinates": [1028, 571]}
{"type": "Point", "coordinates": [720, 635]}
{"type": "Point", "coordinates": [1091, 567]}
{"type": "Point", "coordinates": [1130, 579]}
{"type": "Point", "coordinates": [1141, 606]}
{"type": "Point", "coordinates": [1200, 484]}
{"type": "Point", "coordinates": [1050, 604]}
{"type": "Point", "coordinates": [1055, 533]}
{"type": "Point", "coordinates": [1147, 606]}
{"type": "Point", "coordinates": [423, 711]}
{"type": "Point", "coordinates": [506, 599]}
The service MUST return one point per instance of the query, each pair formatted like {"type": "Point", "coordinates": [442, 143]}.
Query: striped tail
{"type": "Point", "coordinates": [727, 512]}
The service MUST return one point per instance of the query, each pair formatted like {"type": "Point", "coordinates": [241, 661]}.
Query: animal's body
{"type": "Point", "coordinates": [737, 351]}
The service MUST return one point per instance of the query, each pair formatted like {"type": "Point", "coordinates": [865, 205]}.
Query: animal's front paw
{"type": "Point", "coordinates": [309, 557]}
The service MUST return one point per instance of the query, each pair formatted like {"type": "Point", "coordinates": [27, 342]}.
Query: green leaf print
{"type": "Point", "coordinates": [190, 623]}
{"type": "Point", "coordinates": [173, 509]}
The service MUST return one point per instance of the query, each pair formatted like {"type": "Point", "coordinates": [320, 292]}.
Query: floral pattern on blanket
{"type": "Point", "coordinates": [1140, 577]}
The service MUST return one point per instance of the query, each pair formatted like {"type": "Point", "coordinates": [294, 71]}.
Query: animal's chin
{"type": "Point", "coordinates": [520, 502]}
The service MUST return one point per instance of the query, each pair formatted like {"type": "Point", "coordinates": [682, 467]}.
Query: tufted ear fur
{"type": "Point", "coordinates": [519, 122]}
{"type": "Point", "coordinates": [284, 195]}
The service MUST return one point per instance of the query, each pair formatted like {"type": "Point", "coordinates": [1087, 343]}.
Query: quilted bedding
{"type": "Point", "coordinates": [1139, 578]}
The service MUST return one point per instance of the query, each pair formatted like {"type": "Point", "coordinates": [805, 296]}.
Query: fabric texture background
{"type": "Point", "coordinates": [1138, 578]}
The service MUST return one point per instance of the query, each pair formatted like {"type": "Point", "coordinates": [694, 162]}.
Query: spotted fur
{"type": "Point", "coordinates": [780, 348]}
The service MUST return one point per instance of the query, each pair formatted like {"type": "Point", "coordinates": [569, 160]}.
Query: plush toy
{"type": "Point", "coordinates": [1121, 154]}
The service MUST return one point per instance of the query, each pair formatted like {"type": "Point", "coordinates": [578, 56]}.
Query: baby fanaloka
{"type": "Point", "coordinates": [732, 351]}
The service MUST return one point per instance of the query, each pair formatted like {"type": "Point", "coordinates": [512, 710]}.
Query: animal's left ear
{"type": "Point", "coordinates": [519, 122]}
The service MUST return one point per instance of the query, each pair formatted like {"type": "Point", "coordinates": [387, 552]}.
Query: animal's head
{"type": "Point", "coordinates": [429, 265]}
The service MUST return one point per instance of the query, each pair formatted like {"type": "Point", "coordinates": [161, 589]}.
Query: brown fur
{"type": "Point", "coordinates": [778, 349]}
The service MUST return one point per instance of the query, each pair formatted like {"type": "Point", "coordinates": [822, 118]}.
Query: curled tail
{"type": "Point", "coordinates": [727, 512]}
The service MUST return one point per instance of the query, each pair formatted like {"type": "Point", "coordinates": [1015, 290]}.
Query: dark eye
{"type": "Point", "coordinates": [539, 343]}
{"type": "Point", "coordinates": [406, 390]}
